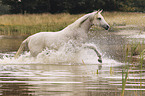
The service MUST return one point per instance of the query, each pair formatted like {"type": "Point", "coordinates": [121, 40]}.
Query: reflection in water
{"type": "Point", "coordinates": [66, 80]}
{"type": "Point", "coordinates": [57, 74]}
{"type": "Point", "coordinates": [15, 89]}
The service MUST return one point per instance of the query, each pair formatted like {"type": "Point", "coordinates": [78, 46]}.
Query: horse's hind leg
{"type": "Point", "coordinates": [35, 51]}
{"type": "Point", "coordinates": [34, 54]}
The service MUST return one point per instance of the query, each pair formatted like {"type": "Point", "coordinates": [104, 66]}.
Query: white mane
{"type": "Point", "coordinates": [82, 19]}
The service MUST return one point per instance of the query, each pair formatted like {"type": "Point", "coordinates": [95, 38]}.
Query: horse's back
{"type": "Point", "coordinates": [41, 40]}
{"type": "Point", "coordinates": [42, 35]}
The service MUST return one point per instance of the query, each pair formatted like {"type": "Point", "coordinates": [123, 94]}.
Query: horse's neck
{"type": "Point", "coordinates": [86, 26]}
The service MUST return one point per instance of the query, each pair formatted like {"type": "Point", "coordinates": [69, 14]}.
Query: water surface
{"type": "Point", "coordinates": [59, 74]}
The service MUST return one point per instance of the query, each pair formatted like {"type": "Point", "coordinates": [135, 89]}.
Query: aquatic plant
{"type": "Point", "coordinates": [131, 50]}
{"type": "Point", "coordinates": [124, 80]}
{"type": "Point", "coordinates": [142, 56]}
{"type": "Point", "coordinates": [125, 71]}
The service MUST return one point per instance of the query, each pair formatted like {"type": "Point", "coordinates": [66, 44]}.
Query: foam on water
{"type": "Point", "coordinates": [137, 36]}
{"type": "Point", "coordinates": [65, 55]}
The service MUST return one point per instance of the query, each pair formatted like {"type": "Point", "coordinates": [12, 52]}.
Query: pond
{"type": "Point", "coordinates": [71, 74]}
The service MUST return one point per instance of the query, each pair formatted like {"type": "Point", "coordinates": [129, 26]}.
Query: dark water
{"type": "Point", "coordinates": [27, 76]}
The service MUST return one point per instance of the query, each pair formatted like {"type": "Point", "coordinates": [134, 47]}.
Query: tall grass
{"type": "Point", "coordinates": [33, 23]}
{"type": "Point", "coordinates": [28, 24]}
{"type": "Point", "coordinates": [125, 18]}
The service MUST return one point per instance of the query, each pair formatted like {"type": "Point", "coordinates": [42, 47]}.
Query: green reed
{"type": "Point", "coordinates": [136, 49]}
{"type": "Point", "coordinates": [142, 56]}
{"type": "Point", "coordinates": [125, 71]}
{"type": "Point", "coordinates": [124, 80]}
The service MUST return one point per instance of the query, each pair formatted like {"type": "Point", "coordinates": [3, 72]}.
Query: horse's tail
{"type": "Point", "coordinates": [21, 48]}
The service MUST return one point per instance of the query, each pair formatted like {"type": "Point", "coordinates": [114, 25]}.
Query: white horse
{"type": "Point", "coordinates": [77, 32]}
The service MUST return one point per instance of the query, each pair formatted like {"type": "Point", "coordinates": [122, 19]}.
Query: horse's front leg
{"type": "Point", "coordinates": [91, 46]}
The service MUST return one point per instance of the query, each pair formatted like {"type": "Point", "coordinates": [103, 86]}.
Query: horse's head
{"type": "Point", "coordinates": [99, 20]}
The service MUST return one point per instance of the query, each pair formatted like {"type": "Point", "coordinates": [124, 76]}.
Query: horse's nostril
{"type": "Point", "coordinates": [107, 27]}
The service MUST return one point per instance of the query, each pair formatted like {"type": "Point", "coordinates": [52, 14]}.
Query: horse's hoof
{"type": "Point", "coordinates": [99, 60]}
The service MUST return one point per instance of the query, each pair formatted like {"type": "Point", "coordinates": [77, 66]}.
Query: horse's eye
{"type": "Point", "coordinates": [99, 18]}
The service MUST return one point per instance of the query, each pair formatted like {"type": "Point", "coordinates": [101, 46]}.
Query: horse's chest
{"type": "Point", "coordinates": [80, 37]}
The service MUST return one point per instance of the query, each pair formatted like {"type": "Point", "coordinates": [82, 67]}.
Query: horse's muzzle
{"type": "Point", "coordinates": [106, 27]}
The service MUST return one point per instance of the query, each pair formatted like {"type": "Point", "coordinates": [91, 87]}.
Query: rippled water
{"type": "Point", "coordinates": [59, 74]}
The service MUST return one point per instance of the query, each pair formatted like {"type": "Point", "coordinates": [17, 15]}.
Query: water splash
{"type": "Point", "coordinates": [140, 36]}
{"type": "Point", "coordinates": [65, 55]}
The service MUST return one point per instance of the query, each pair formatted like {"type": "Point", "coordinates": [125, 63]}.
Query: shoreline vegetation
{"type": "Point", "coordinates": [28, 24]}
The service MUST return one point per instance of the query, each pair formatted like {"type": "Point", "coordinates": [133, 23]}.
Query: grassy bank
{"type": "Point", "coordinates": [32, 23]}
{"type": "Point", "coordinates": [128, 18]}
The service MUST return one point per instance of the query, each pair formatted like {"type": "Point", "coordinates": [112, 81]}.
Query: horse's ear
{"type": "Point", "coordinates": [100, 11]}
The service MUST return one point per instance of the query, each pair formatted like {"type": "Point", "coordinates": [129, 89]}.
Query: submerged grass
{"type": "Point", "coordinates": [27, 24]}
